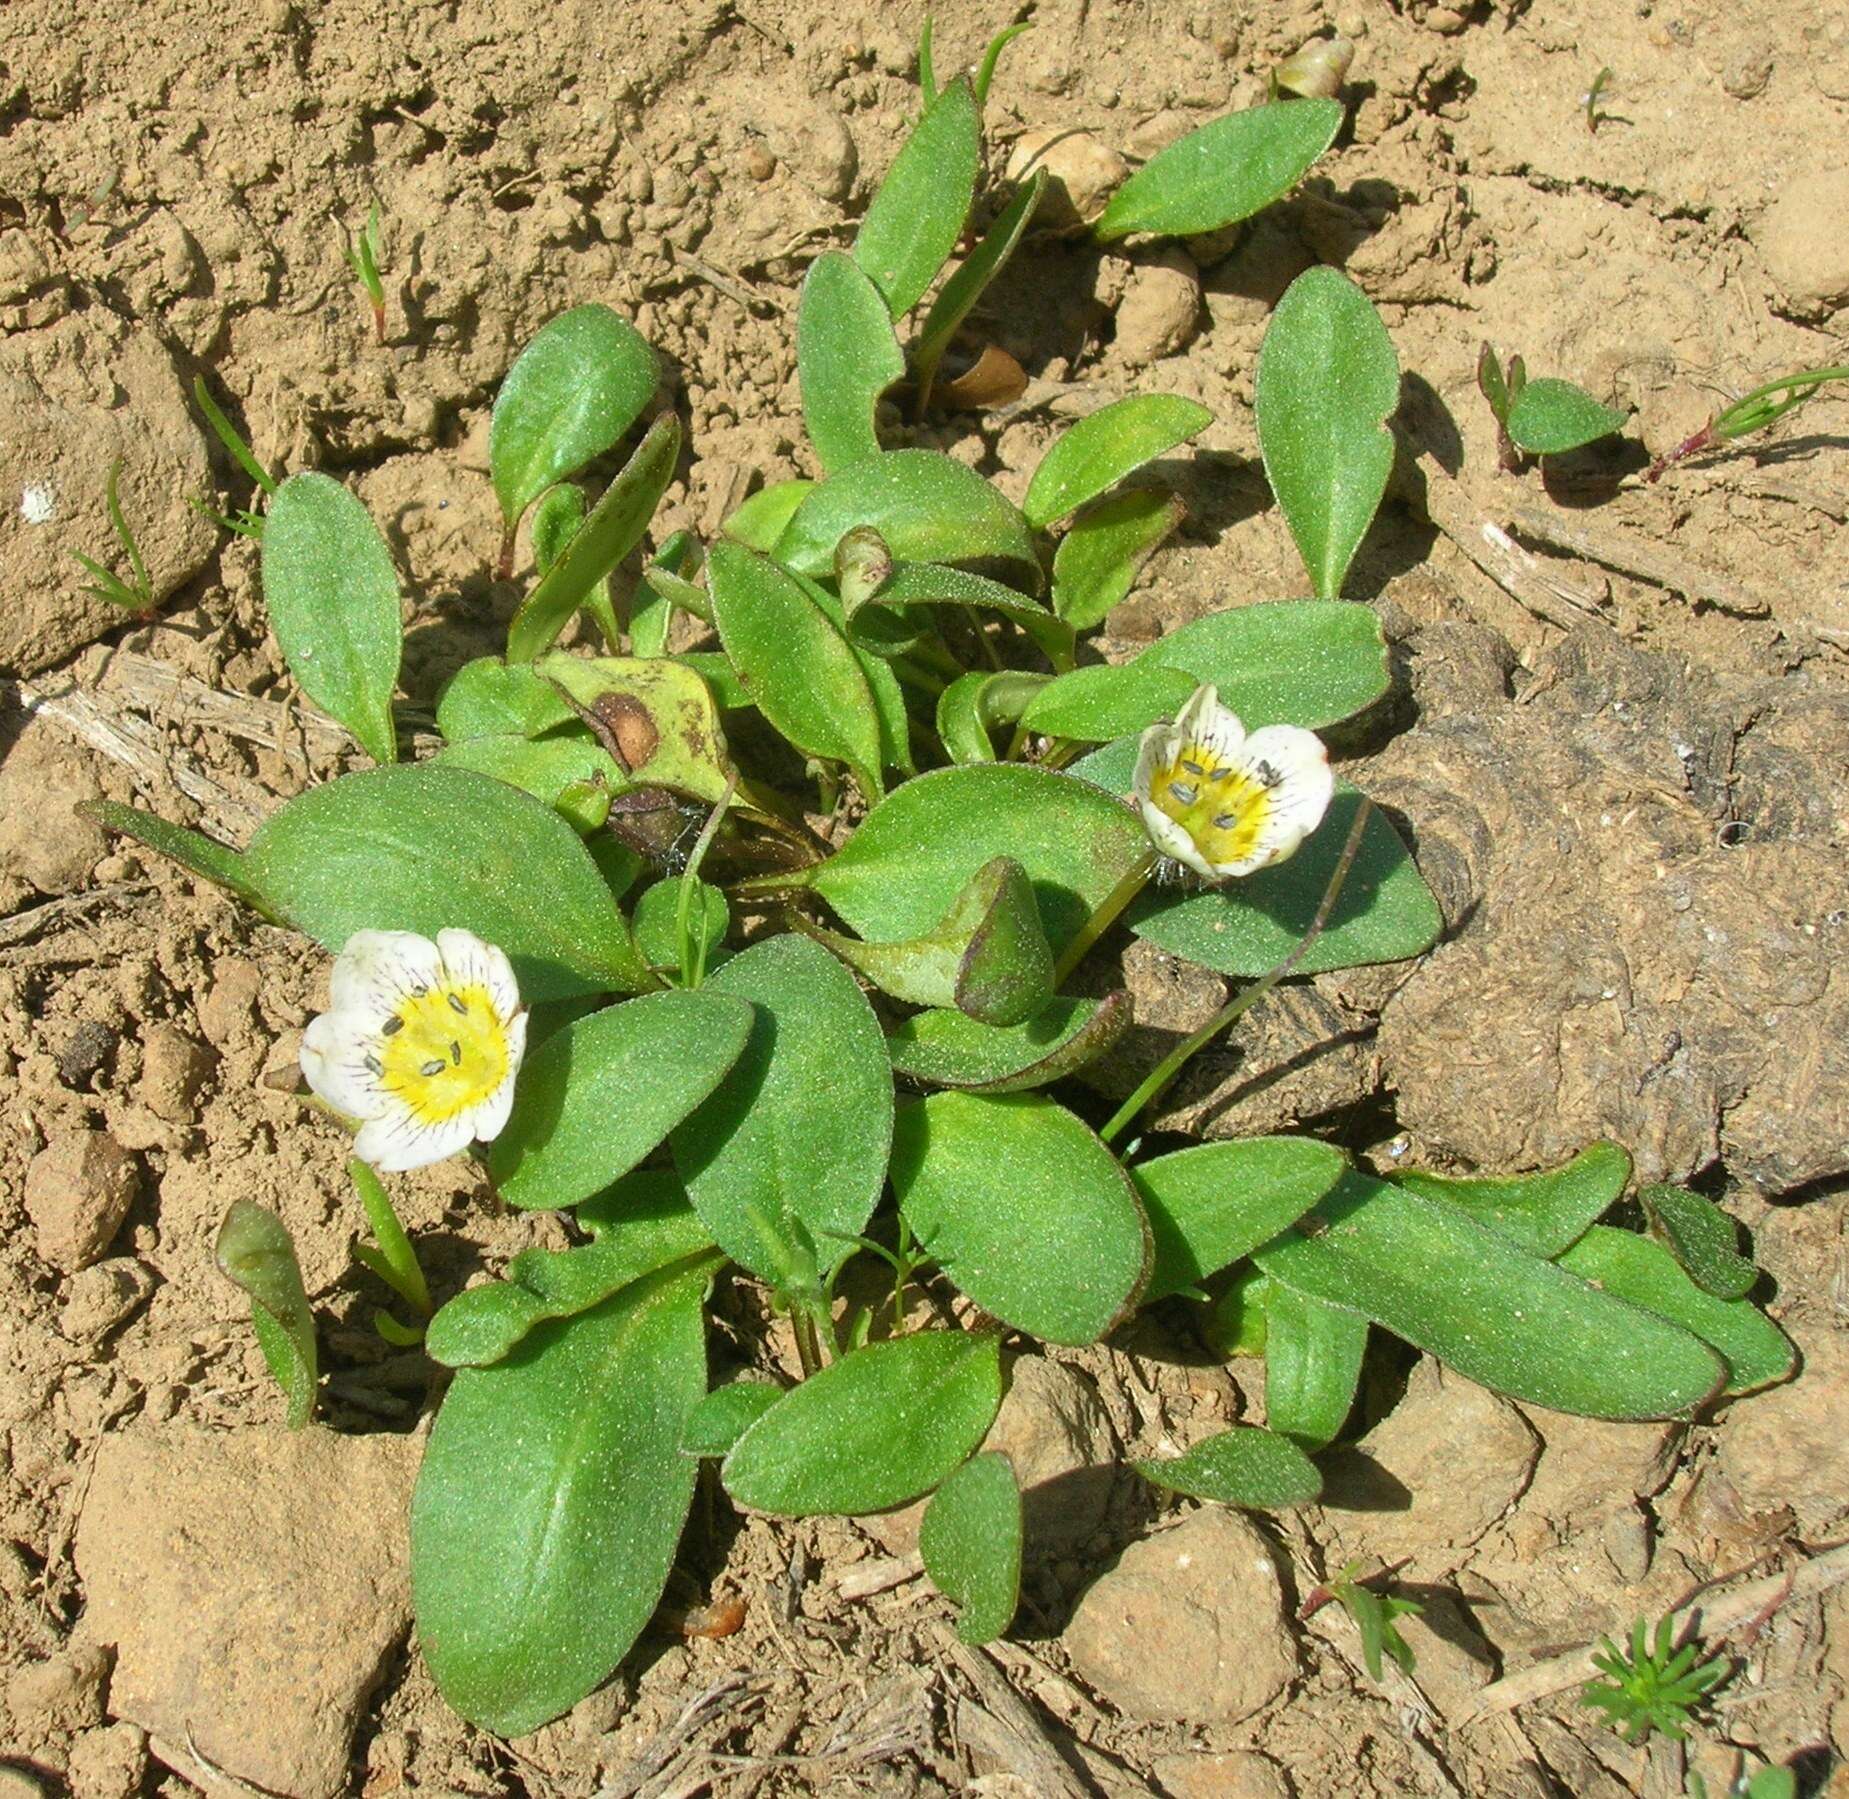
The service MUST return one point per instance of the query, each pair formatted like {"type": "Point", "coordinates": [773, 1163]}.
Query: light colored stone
{"type": "Point", "coordinates": [1190, 1625]}
{"type": "Point", "coordinates": [174, 1069]}
{"type": "Point", "coordinates": [64, 1692]}
{"type": "Point", "coordinates": [1806, 250]}
{"type": "Point", "coordinates": [1160, 309]}
{"type": "Point", "coordinates": [44, 839]}
{"type": "Point", "coordinates": [253, 1585]}
{"type": "Point", "coordinates": [100, 1298]}
{"type": "Point", "coordinates": [109, 1763]}
{"type": "Point", "coordinates": [78, 1190]}
{"type": "Point", "coordinates": [1237, 1774]}
{"type": "Point", "coordinates": [1082, 173]}
{"type": "Point", "coordinates": [1788, 1447]}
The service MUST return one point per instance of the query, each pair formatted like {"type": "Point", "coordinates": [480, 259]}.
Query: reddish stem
{"type": "Point", "coordinates": [1704, 439]}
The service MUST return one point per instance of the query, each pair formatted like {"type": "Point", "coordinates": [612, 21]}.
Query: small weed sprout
{"type": "Point", "coordinates": [363, 259]}
{"type": "Point", "coordinates": [248, 522]}
{"type": "Point", "coordinates": [1592, 97]}
{"type": "Point", "coordinates": [1768, 1783]}
{"type": "Point", "coordinates": [136, 596]}
{"type": "Point", "coordinates": [1655, 1686]}
{"type": "Point", "coordinates": [1752, 412]}
{"type": "Point", "coordinates": [1374, 1614]}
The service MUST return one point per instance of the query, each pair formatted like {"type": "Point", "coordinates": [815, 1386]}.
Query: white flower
{"type": "Point", "coordinates": [420, 1044]}
{"type": "Point", "coordinates": [1224, 803]}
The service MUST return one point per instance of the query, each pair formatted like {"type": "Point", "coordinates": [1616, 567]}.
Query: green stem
{"type": "Point", "coordinates": [1106, 915]}
{"type": "Point", "coordinates": [395, 1261]}
{"type": "Point", "coordinates": [1157, 1081]}
{"type": "Point", "coordinates": [912, 675]}
{"type": "Point", "coordinates": [690, 882]}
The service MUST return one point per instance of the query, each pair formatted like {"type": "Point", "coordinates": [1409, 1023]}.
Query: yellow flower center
{"type": "Point", "coordinates": [443, 1052]}
{"type": "Point", "coordinates": [1224, 808]}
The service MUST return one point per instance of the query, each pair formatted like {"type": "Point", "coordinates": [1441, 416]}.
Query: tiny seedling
{"type": "Point", "coordinates": [1654, 1686]}
{"type": "Point", "coordinates": [1591, 98]}
{"type": "Point", "coordinates": [1543, 417]}
{"type": "Point", "coordinates": [1768, 1783]}
{"type": "Point", "coordinates": [247, 522]}
{"type": "Point", "coordinates": [1373, 1612]}
{"type": "Point", "coordinates": [363, 259]}
{"type": "Point", "coordinates": [1752, 412]}
{"type": "Point", "coordinates": [136, 596]}
{"type": "Point", "coordinates": [256, 1253]}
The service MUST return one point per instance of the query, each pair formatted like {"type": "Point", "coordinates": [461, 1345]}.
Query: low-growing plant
{"type": "Point", "coordinates": [363, 260]}
{"type": "Point", "coordinates": [1654, 1685]}
{"type": "Point", "coordinates": [135, 595]}
{"type": "Point", "coordinates": [1754, 411]}
{"type": "Point", "coordinates": [1544, 417]}
{"type": "Point", "coordinates": [759, 958]}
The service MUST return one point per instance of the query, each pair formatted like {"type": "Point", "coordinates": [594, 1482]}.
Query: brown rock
{"type": "Point", "coordinates": [812, 140]}
{"type": "Point", "coordinates": [225, 1012]}
{"type": "Point", "coordinates": [1160, 308]}
{"type": "Point", "coordinates": [109, 1763]}
{"type": "Point", "coordinates": [101, 1297]}
{"type": "Point", "coordinates": [1801, 238]}
{"type": "Point", "coordinates": [62, 1693]}
{"type": "Point", "coordinates": [174, 1068]}
{"type": "Point", "coordinates": [1189, 1624]}
{"type": "Point", "coordinates": [78, 1190]}
{"type": "Point", "coordinates": [1237, 1774]}
{"type": "Point", "coordinates": [1788, 1447]}
{"type": "Point", "coordinates": [1082, 173]}
{"type": "Point", "coordinates": [44, 839]}
{"type": "Point", "coordinates": [253, 1585]}
{"type": "Point", "coordinates": [1594, 1468]}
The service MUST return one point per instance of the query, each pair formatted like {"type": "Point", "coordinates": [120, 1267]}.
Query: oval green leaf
{"type": "Point", "coordinates": [492, 698]}
{"type": "Point", "coordinates": [1704, 1239]}
{"type": "Point", "coordinates": [599, 1094]}
{"type": "Point", "coordinates": [1507, 1319]}
{"type": "Point", "coordinates": [970, 1539]}
{"type": "Point", "coordinates": [1313, 1356]}
{"type": "Point", "coordinates": [571, 394]}
{"type": "Point", "coordinates": [871, 1431]}
{"type": "Point", "coordinates": [1224, 172]}
{"type": "Point", "coordinates": [846, 357]}
{"type": "Point", "coordinates": [1549, 416]}
{"type": "Point", "coordinates": [1542, 1213]}
{"type": "Point", "coordinates": [1024, 1209]}
{"type": "Point", "coordinates": [762, 519]}
{"type": "Point", "coordinates": [917, 216]}
{"type": "Point", "coordinates": [332, 592]}
{"type": "Point", "coordinates": [1328, 379]}
{"type": "Point", "coordinates": [795, 1144]}
{"type": "Point", "coordinates": [1099, 558]}
{"type": "Point", "coordinates": [724, 1416]}
{"type": "Point", "coordinates": [423, 848]}
{"type": "Point", "coordinates": [931, 584]}
{"type": "Point", "coordinates": [1096, 453]}
{"type": "Point", "coordinates": [545, 768]}
{"type": "Point", "coordinates": [1093, 705]}
{"type": "Point", "coordinates": [948, 1049]}
{"type": "Point", "coordinates": [255, 1252]}
{"type": "Point", "coordinates": [550, 1501]}
{"type": "Point", "coordinates": [1243, 1466]}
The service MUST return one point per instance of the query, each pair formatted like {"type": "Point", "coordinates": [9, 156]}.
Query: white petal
{"type": "Point", "coordinates": [489, 1119]}
{"type": "Point", "coordinates": [1172, 840]}
{"type": "Point", "coordinates": [1160, 745]}
{"type": "Point", "coordinates": [378, 969]}
{"type": "Point", "coordinates": [471, 962]}
{"type": "Point", "coordinates": [1298, 797]}
{"type": "Point", "coordinates": [1205, 721]}
{"type": "Point", "coordinates": [396, 1142]}
{"type": "Point", "coordinates": [333, 1056]}
{"type": "Point", "coordinates": [516, 1045]}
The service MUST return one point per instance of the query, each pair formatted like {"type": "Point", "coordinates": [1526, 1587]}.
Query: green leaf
{"type": "Point", "coordinates": [974, 704]}
{"type": "Point", "coordinates": [332, 592]}
{"type": "Point", "coordinates": [1313, 1354]}
{"type": "Point", "coordinates": [195, 853]}
{"type": "Point", "coordinates": [1385, 911]}
{"type": "Point", "coordinates": [1703, 1238]}
{"type": "Point", "coordinates": [1542, 1213]}
{"type": "Point", "coordinates": [423, 848]}
{"type": "Point", "coordinates": [795, 1144]}
{"type": "Point", "coordinates": [801, 673]}
{"type": "Point", "coordinates": [927, 507]}
{"type": "Point", "coordinates": [483, 1324]}
{"type": "Point", "coordinates": [1224, 172]}
{"type": "Point", "coordinates": [1213, 1204]}
{"type": "Point", "coordinates": [658, 923]}
{"type": "Point", "coordinates": [762, 519]}
{"type": "Point", "coordinates": [1024, 1209]}
{"type": "Point", "coordinates": [662, 714]}
{"type": "Point", "coordinates": [255, 1252]}
{"type": "Point", "coordinates": [614, 528]}
{"type": "Point", "coordinates": [930, 584]}
{"type": "Point", "coordinates": [557, 519]}
{"type": "Point", "coordinates": [724, 1416]}
{"type": "Point", "coordinates": [917, 850]}
{"type": "Point", "coordinates": [1242, 1466]}
{"type": "Point", "coordinates": [1328, 379]}
{"type": "Point", "coordinates": [394, 1261]}
{"type": "Point", "coordinates": [545, 769]}
{"type": "Point", "coordinates": [550, 1501]}
{"type": "Point", "coordinates": [1095, 704]}
{"type": "Point", "coordinates": [1549, 416]}
{"type": "Point", "coordinates": [492, 698]}
{"type": "Point", "coordinates": [598, 1095]}
{"type": "Point", "coordinates": [1097, 452]}
{"type": "Point", "coordinates": [1099, 558]}
{"type": "Point", "coordinates": [949, 1049]}
{"type": "Point", "coordinates": [917, 216]}
{"type": "Point", "coordinates": [571, 394]}
{"type": "Point", "coordinates": [846, 357]}
{"type": "Point", "coordinates": [970, 1539]}
{"type": "Point", "coordinates": [1756, 1351]}
{"type": "Point", "coordinates": [883, 687]}
{"type": "Point", "coordinates": [973, 274]}
{"type": "Point", "coordinates": [1498, 1315]}
{"type": "Point", "coordinates": [871, 1431]}
{"type": "Point", "coordinates": [651, 611]}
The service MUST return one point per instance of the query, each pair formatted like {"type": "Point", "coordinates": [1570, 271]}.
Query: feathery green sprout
{"type": "Point", "coordinates": [1656, 1686]}
{"type": "Point", "coordinates": [1751, 412]}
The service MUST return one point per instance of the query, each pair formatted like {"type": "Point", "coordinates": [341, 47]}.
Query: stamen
{"type": "Point", "coordinates": [1184, 791]}
{"type": "Point", "coordinates": [373, 1064]}
{"type": "Point", "coordinates": [1267, 775]}
{"type": "Point", "coordinates": [434, 1066]}
{"type": "Point", "coordinates": [455, 1053]}
{"type": "Point", "coordinates": [1194, 768]}
{"type": "Point", "coordinates": [392, 1026]}
{"type": "Point", "coordinates": [458, 1005]}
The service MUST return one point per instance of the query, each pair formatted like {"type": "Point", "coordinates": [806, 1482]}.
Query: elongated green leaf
{"type": "Point", "coordinates": [196, 853]}
{"type": "Point", "coordinates": [875, 1429]}
{"type": "Point", "coordinates": [763, 518]}
{"type": "Point", "coordinates": [1524, 1326]}
{"type": "Point", "coordinates": [1098, 560]}
{"type": "Point", "coordinates": [927, 507]}
{"type": "Point", "coordinates": [651, 612]}
{"type": "Point", "coordinates": [597, 1096]}
{"type": "Point", "coordinates": [917, 216]}
{"type": "Point", "coordinates": [801, 673]}
{"type": "Point", "coordinates": [1756, 1351]}
{"type": "Point", "coordinates": [614, 528]}
{"type": "Point", "coordinates": [1543, 1213]}
{"type": "Point", "coordinates": [1242, 1466]}
{"type": "Point", "coordinates": [1549, 416]}
{"type": "Point", "coordinates": [917, 850]}
{"type": "Point", "coordinates": [1096, 704]}
{"type": "Point", "coordinates": [550, 1501]}
{"type": "Point", "coordinates": [332, 592]}
{"type": "Point", "coordinates": [1703, 1238]}
{"type": "Point", "coordinates": [795, 1144]}
{"type": "Point", "coordinates": [1224, 172]}
{"type": "Point", "coordinates": [950, 1049]}
{"type": "Point", "coordinates": [1313, 1354]}
{"type": "Point", "coordinates": [492, 698]}
{"type": "Point", "coordinates": [970, 1539]}
{"type": "Point", "coordinates": [1213, 1204]}
{"type": "Point", "coordinates": [974, 704]}
{"type": "Point", "coordinates": [1327, 380]}
{"type": "Point", "coordinates": [846, 357]}
{"type": "Point", "coordinates": [255, 1252]}
{"type": "Point", "coordinates": [915, 584]}
{"type": "Point", "coordinates": [423, 848]}
{"type": "Point", "coordinates": [883, 687]}
{"type": "Point", "coordinates": [1096, 453]}
{"type": "Point", "coordinates": [571, 394]}
{"type": "Point", "coordinates": [557, 519]}
{"type": "Point", "coordinates": [1024, 1209]}
{"type": "Point", "coordinates": [973, 274]}
{"type": "Point", "coordinates": [1385, 911]}
{"type": "Point", "coordinates": [724, 1416]}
